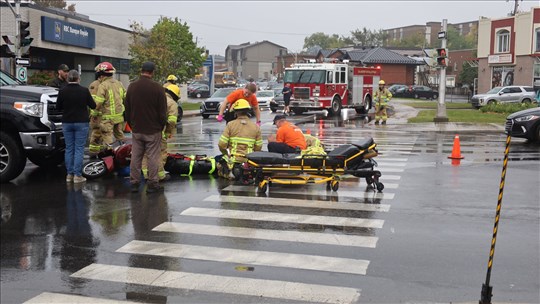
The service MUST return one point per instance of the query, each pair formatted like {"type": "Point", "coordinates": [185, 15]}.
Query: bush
{"type": "Point", "coordinates": [507, 108]}
{"type": "Point", "coordinates": [41, 77]}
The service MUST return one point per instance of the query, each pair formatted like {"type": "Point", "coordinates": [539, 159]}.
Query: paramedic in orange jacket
{"type": "Point", "coordinates": [247, 93]}
{"type": "Point", "coordinates": [288, 138]}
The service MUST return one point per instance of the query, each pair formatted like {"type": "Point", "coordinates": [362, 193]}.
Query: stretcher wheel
{"type": "Point", "coordinates": [328, 185]}
{"type": "Point", "coordinates": [263, 186]}
{"type": "Point", "coordinates": [335, 185]}
{"type": "Point", "coordinates": [380, 186]}
{"type": "Point", "coordinates": [369, 180]}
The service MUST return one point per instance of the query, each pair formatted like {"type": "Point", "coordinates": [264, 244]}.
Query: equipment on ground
{"type": "Point", "coordinates": [116, 157]}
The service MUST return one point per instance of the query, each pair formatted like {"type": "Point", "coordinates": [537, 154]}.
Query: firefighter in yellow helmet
{"type": "Point", "coordinates": [173, 94]}
{"type": "Point", "coordinates": [109, 99]}
{"type": "Point", "coordinates": [171, 79]}
{"type": "Point", "coordinates": [95, 115]}
{"type": "Point", "coordinates": [240, 137]}
{"type": "Point", "coordinates": [381, 98]}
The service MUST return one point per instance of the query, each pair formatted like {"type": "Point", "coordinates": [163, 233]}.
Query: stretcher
{"type": "Point", "coordinates": [350, 159]}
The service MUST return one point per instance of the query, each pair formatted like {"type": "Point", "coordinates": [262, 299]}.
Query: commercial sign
{"type": "Point", "coordinates": [58, 31]}
{"type": "Point", "coordinates": [504, 58]}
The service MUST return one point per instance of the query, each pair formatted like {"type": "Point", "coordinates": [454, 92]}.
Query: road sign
{"type": "Point", "coordinates": [22, 61]}
{"type": "Point", "coordinates": [21, 74]}
{"type": "Point", "coordinates": [441, 35]}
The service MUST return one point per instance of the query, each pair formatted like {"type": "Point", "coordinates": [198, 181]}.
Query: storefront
{"type": "Point", "coordinates": [65, 37]}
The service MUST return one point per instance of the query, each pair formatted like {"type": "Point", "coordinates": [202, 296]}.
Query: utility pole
{"type": "Point", "coordinates": [441, 107]}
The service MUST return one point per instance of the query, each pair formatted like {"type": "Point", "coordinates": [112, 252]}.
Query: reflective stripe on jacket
{"type": "Point", "coordinates": [111, 94]}
{"type": "Point", "coordinates": [382, 97]}
{"type": "Point", "coordinates": [241, 136]}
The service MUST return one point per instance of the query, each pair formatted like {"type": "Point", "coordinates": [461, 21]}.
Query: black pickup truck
{"type": "Point", "coordinates": [31, 127]}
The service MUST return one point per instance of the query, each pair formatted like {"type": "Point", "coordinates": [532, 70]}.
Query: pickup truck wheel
{"type": "Point", "coordinates": [335, 107]}
{"type": "Point", "coordinates": [47, 160]}
{"type": "Point", "coordinates": [12, 158]}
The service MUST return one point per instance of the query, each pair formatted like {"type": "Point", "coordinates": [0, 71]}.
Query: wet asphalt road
{"type": "Point", "coordinates": [433, 245]}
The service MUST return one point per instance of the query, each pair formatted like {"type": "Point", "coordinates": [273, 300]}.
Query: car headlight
{"type": "Point", "coordinates": [527, 118]}
{"type": "Point", "coordinates": [30, 108]}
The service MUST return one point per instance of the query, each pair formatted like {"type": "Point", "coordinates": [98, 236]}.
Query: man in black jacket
{"type": "Point", "coordinates": [146, 113]}
{"type": "Point", "coordinates": [60, 81]}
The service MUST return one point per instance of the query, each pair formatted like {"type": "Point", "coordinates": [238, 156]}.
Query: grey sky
{"type": "Point", "coordinates": [217, 24]}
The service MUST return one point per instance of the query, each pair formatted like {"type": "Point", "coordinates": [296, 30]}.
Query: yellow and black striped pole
{"type": "Point", "coordinates": [486, 289]}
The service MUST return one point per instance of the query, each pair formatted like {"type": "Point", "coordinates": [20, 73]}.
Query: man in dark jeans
{"type": "Point", "coordinates": [287, 93]}
{"type": "Point", "coordinates": [146, 113]}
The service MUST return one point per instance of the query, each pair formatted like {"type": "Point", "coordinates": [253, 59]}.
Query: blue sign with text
{"type": "Point", "coordinates": [58, 31]}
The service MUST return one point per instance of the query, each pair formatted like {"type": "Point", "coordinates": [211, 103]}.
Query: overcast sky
{"type": "Point", "coordinates": [216, 24]}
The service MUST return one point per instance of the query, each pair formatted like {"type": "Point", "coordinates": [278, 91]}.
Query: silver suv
{"type": "Point", "coordinates": [504, 95]}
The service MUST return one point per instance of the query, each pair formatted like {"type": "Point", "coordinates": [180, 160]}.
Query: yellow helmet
{"type": "Point", "coordinates": [174, 89]}
{"type": "Point", "coordinates": [382, 82]}
{"type": "Point", "coordinates": [172, 78]}
{"type": "Point", "coordinates": [241, 104]}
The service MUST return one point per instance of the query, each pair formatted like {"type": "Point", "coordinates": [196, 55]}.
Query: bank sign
{"type": "Point", "coordinates": [63, 32]}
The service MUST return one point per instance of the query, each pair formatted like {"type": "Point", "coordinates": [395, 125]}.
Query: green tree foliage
{"type": "Point", "coordinates": [169, 44]}
{"type": "Point", "coordinates": [468, 74]}
{"type": "Point", "coordinates": [417, 40]}
{"type": "Point", "coordinates": [460, 42]}
{"type": "Point", "coordinates": [56, 3]}
{"type": "Point", "coordinates": [324, 41]}
{"type": "Point", "coordinates": [366, 37]}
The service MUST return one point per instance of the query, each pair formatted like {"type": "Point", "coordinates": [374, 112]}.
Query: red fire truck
{"type": "Point", "coordinates": [331, 86]}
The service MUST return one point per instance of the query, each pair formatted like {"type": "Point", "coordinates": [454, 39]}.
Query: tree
{"type": "Point", "coordinates": [467, 75]}
{"type": "Point", "coordinates": [365, 37]}
{"type": "Point", "coordinates": [460, 42]}
{"type": "Point", "coordinates": [324, 41]}
{"type": "Point", "coordinates": [56, 3]}
{"type": "Point", "coordinates": [169, 44]}
{"type": "Point", "coordinates": [417, 40]}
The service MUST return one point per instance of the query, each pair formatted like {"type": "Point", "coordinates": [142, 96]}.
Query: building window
{"type": "Point", "coordinates": [503, 41]}
{"type": "Point", "coordinates": [537, 49]}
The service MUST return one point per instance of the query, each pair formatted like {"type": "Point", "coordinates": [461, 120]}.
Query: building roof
{"type": "Point", "coordinates": [379, 55]}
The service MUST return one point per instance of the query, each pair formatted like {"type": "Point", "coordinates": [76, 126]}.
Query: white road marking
{"type": "Point", "coordinates": [298, 203]}
{"type": "Point", "coordinates": [249, 257]}
{"type": "Point", "coordinates": [52, 297]}
{"type": "Point", "coordinates": [272, 235]}
{"type": "Point", "coordinates": [223, 284]}
{"type": "Point", "coordinates": [284, 217]}
{"type": "Point", "coordinates": [312, 191]}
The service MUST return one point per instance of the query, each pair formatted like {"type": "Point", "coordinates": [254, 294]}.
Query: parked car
{"type": "Point", "coordinates": [211, 105]}
{"type": "Point", "coordinates": [393, 88]}
{"type": "Point", "coordinates": [265, 97]}
{"type": "Point", "coordinates": [504, 95]}
{"type": "Point", "coordinates": [277, 103]}
{"type": "Point", "coordinates": [416, 91]}
{"type": "Point", "coordinates": [524, 124]}
{"type": "Point", "coordinates": [200, 91]}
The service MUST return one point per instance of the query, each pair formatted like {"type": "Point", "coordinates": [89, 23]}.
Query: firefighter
{"type": "Point", "coordinates": [171, 79]}
{"type": "Point", "coordinates": [247, 93]}
{"type": "Point", "coordinates": [382, 96]}
{"type": "Point", "coordinates": [95, 115]}
{"type": "Point", "coordinates": [240, 137]}
{"type": "Point", "coordinates": [173, 94]}
{"type": "Point", "coordinates": [110, 105]}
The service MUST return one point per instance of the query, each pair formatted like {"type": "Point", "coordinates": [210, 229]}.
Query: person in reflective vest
{"type": "Point", "coordinates": [109, 98]}
{"type": "Point", "coordinates": [381, 98]}
{"type": "Point", "coordinates": [95, 115]}
{"type": "Point", "coordinates": [240, 137]}
{"type": "Point", "coordinates": [172, 92]}
{"type": "Point", "coordinates": [171, 79]}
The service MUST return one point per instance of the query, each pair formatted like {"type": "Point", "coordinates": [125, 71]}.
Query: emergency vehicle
{"type": "Point", "coordinates": [331, 86]}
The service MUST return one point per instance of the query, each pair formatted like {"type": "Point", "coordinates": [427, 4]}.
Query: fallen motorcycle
{"type": "Point", "coordinates": [115, 157]}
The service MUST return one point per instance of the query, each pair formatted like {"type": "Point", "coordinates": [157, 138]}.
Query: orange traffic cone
{"type": "Point", "coordinates": [456, 151]}
{"type": "Point", "coordinates": [127, 128]}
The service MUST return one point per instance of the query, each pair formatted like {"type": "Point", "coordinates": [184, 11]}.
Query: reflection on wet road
{"type": "Point", "coordinates": [207, 240]}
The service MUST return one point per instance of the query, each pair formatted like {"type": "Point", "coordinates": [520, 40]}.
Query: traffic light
{"type": "Point", "coordinates": [24, 34]}
{"type": "Point", "coordinates": [11, 49]}
{"type": "Point", "coordinates": [442, 57]}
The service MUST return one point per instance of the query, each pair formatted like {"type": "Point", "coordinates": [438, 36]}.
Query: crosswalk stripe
{"type": "Point", "coordinates": [272, 235]}
{"type": "Point", "coordinates": [391, 164]}
{"type": "Point", "coordinates": [385, 169]}
{"type": "Point", "coordinates": [284, 217]}
{"type": "Point", "coordinates": [312, 191]}
{"type": "Point", "coordinates": [53, 297]}
{"type": "Point", "coordinates": [298, 203]}
{"type": "Point", "coordinates": [249, 257]}
{"type": "Point", "coordinates": [382, 158]}
{"type": "Point", "coordinates": [361, 183]}
{"type": "Point", "coordinates": [223, 284]}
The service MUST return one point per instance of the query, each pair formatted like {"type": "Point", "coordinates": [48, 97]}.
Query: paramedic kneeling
{"type": "Point", "coordinates": [288, 139]}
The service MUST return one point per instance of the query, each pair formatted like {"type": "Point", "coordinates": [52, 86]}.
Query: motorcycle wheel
{"type": "Point", "coordinates": [94, 169]}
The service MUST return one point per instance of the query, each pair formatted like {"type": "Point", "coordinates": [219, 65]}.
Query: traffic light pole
{"type": "Point", "coordinates": [17, 42]}
{"type": "Point", "coordinates": [441, 106]}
